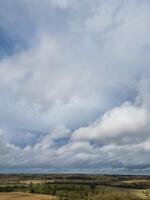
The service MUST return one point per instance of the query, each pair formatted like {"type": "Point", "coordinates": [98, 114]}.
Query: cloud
{"type": "Point", "coordinates": [120, 120]}
{"type": "Point", "coordinates": [74, 92]}
{"type": "Point", "coordinates": [105, 16]}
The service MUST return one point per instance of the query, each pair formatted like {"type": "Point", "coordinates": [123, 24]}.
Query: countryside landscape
{"type": "Point", "coordinates": [74, 99]}
{"type": "Point", "coordinates": [74, 187]}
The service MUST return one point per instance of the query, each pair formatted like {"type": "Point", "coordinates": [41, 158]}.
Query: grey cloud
{"type": "Point", "coordinates": [77, 90]}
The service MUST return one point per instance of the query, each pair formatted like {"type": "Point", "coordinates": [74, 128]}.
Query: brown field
{"type": "Point", "coordinates": [25, 196]}
{"type": "Point", "coordinates": [137, 181]}
{"type": "Point", "coordinates": [33, 181]}
{"type": "Point", "coordinates": [142, 194]}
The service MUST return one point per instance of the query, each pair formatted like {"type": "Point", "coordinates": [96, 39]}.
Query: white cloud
{"type": "Point", "coordinates": [120, 120]}
{"type": "Point", "coordinates": [62, 96]}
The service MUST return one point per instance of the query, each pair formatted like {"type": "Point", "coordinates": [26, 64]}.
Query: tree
{"type": "Point", "coordinates": [31, 187]}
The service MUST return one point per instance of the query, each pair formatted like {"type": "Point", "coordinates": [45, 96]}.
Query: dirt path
{"type": "Point", "coordinates": [25, 196]}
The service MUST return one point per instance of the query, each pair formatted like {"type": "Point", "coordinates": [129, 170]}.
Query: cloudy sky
{"type": "Point", "coordinates": [75, 86]}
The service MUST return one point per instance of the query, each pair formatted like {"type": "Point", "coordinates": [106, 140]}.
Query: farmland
{"type": "Point", "coordinates": [25, 196]}
{"type": "Point", "coordinates": [74, 187]}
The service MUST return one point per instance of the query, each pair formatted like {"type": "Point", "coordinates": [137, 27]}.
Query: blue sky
{"type": "Point", "coordinates": [75, 86]}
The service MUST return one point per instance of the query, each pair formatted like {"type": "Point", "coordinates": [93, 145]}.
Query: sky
{"type": "Point", "coordinates": [75, 86]}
